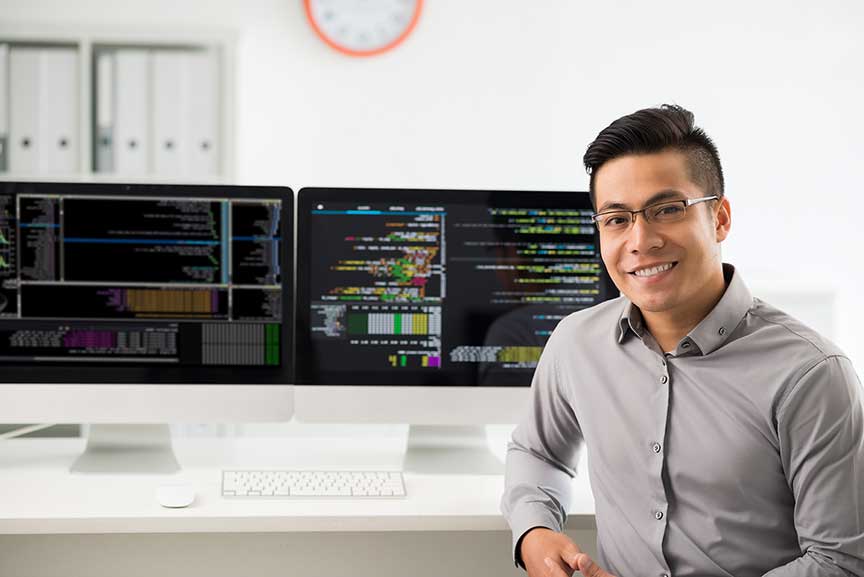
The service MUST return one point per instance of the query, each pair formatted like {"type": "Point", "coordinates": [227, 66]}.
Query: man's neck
{"type": "Point", "coordinates": [669, 327]}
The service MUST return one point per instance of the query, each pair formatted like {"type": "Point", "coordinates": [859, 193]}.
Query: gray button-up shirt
{"type": "Point", "coordinates": [740, 453]}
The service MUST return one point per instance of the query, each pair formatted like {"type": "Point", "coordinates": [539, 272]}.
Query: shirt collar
{"type": "Point", "coordinates": [714, 330]}
{"type": "Point", "coordinates": [630, 320]}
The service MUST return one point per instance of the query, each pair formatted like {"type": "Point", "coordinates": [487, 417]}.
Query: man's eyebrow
{"type": "Point", "coordinates": [669, 194]}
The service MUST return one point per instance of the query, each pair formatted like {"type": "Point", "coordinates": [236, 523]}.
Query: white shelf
{"type": "Point", "coordinates": [87, 41]}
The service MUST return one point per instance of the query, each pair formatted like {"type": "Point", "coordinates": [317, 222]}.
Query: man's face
{"type": "Point", "coordinates": [691, 246]}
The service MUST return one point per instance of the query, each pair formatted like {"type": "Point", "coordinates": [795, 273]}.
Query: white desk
{"type": "Point", "coordinates": [55, 523]}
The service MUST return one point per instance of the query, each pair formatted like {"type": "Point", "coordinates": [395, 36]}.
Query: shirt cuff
{"type": "Point", "coordinates": [529, 516]}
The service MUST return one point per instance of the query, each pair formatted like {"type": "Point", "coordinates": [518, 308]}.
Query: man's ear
{"type": "Point", "coordinates": [722, 219]}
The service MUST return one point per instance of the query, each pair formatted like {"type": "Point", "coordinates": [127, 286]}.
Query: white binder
{"type": "Point", "coordinates": [170, 105]}
{"type": "Point", "coordinates": [4, 107]}
{"type": "Point", "coordinates": [104, 123]}
{"type": "Point", "coordinates": [202, 78]}
{"type": "Point", "coordinates": [57, 137]}
{"type": "Point", "coordinates": [131, 111]}
{"type": "Point", "coordinates": [23, 109]}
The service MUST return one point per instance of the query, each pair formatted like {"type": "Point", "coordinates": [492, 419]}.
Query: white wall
{"type": "Point", "coordinates": [507, 93]}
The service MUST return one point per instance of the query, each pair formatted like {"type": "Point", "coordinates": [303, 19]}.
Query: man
{"type": "Point", "coordinates": [724, 437]}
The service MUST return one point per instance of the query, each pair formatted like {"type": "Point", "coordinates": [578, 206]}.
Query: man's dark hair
{"type": "Point", "coordinates": [652, 130]}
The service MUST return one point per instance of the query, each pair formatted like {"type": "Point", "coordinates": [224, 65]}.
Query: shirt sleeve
{"type": "Point", "coordinates": [542, 455]}
{"type": "Point", "coordinates": [821, 433]}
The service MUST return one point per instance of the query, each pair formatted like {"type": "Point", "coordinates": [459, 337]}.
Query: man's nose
{"type": "Point", "coordinates": [643, 236]}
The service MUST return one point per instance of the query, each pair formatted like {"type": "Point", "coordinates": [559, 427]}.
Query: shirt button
{"type": "Point", "coordinates": [663, 379]}
{"type": "Point", "coordinates": [658, 515]}
{"type": "Point", "coordinates": [685, 346]}
{"type": "Point", "coordinates": [656, 447]}
{"type": "Point", "coordinates": [722, 331]}
{"type": "Point", "coordinates": [665, 575]}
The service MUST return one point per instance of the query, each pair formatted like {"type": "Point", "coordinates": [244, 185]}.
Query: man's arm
{"type": "Point", "coordinates": [542, 456]}
{"type": "Point", "coordinates": [821, 432]}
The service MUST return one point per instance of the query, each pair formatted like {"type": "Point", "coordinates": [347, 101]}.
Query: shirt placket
{"type": "Point", "coordinates": [658, 508]}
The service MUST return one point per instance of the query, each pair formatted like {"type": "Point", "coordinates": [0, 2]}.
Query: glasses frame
{"type": "Point", "coordinates": [687, 202]}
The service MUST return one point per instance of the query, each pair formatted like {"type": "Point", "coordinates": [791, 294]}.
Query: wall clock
{"type": "Point", "coordinates": [363, 27]}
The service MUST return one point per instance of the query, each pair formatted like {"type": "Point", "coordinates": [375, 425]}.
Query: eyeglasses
{"type": "Point", "coordinates": [661, 213]}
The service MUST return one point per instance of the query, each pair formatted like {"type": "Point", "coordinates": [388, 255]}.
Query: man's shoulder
{"type": "Point", "coordinates": [602, 316]}
{"type": "Point", "coordinates": [777, 327]}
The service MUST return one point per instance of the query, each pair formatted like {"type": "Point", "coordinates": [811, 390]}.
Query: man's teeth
{"type": "Point", "coordinates": [654, 270]}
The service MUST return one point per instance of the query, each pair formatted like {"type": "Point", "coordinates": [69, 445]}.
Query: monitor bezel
{"type": "Point", "coordinates": [79, 374]}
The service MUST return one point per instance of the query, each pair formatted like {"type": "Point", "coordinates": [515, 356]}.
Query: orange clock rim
{"type": "Point", "coordinates": [348, 51]}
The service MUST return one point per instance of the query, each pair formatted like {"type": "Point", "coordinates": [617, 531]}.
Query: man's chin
{"type": "Point", "coordinates": [652, 303]}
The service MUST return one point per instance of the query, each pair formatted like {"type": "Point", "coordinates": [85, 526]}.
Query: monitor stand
{"type": "Point", "coordinates": [128, 449]}
{"type": "Point", "coordinates": [450, 450]}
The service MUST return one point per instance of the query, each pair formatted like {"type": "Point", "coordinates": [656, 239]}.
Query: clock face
{"type": "Point", "coordinates": [363, 27]}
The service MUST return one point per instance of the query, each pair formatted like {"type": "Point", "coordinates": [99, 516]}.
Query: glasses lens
{"type": "Point", "coordinates": [614, 220]}
{"type": "Point", "coordinates": [667, 211]}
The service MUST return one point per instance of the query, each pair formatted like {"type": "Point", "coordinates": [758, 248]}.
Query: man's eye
{"type": "Point", "coordinates": [615, 221]}
{"type": "Point", "coordinates": [670, 210]}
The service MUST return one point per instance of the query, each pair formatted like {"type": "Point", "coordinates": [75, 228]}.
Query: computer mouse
{"type": "Point", "coordinates": [175, 496]}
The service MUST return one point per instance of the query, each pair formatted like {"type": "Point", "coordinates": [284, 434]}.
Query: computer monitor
{"type": "Point", "coordinates": [144, 305]}
{"type": "Point", "coordinates": [431, 307]}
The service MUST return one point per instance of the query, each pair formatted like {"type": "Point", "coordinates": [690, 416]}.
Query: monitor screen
{"type": "Point", "coordinates": [439, 287]}
{"type": "Point", "coordinates": [117, 283]}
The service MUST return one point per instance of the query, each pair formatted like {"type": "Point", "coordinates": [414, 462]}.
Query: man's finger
{"type": "Point", "coordinates": [570, 555]}
{"type": "Point", "coordinates": [589, 568]}
{"type": "Point", "coordinates": [553, 569]}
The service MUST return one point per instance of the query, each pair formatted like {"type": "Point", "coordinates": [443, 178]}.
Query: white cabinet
{"type": "Point", "coordinates": [138, 108]}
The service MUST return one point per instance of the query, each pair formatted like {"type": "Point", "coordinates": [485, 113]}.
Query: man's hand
{"type": "Point", "coordinates": [547, 553]}
{"type": "Point", "coordinates": [581, 562]}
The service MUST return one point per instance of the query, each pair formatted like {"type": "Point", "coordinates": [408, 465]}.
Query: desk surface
{"type": "Point", "coordinates": [38, 494]}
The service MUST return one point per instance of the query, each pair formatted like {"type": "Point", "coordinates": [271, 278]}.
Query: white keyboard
{"type": "Point", "coordinates": [288, 484]}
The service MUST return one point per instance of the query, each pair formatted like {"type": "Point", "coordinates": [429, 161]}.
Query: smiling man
{"type": "Point", "coordinates": [724, 437]}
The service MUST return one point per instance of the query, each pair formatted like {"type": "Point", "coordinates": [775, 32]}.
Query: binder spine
{"type": "Point", "coordinates": [104, 130]}
{"type": "Point", "coordinates": [4, 107]}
